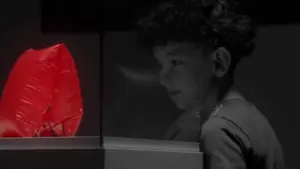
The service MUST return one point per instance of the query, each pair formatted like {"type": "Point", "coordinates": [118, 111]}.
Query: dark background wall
{"type": "Point", "coordinates": [21, 29]}
{"type": "Point", "coordinates": [269, 78]}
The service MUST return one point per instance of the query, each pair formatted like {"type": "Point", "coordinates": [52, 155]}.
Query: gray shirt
{"type": "Point", "coordinates": [238, 136]}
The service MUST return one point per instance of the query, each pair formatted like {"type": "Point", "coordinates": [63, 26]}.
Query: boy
{"type": "Point", "coordinates": [198, 45]}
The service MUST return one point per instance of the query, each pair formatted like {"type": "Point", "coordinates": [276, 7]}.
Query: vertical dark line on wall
{"type": "Point", "coordinates": [101, 87]}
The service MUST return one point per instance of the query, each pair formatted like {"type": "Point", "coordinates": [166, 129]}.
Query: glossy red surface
{"type": "Point", "coordinates": [42, 95]}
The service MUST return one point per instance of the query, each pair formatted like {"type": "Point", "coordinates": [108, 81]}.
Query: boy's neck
{"type": "Point", "coordinates": [214, 98]}
{"type": "Point", "coordinates": [216, 95]}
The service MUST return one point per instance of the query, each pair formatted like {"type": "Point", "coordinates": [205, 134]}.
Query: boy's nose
{"type": "Point", "coordinates": [164, 80]}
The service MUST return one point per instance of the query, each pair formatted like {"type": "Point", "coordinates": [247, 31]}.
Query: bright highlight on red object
{"type": "Point", "coordinates": [42, 95]}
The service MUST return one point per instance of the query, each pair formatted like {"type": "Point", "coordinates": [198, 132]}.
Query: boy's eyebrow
{"type": "Point", "coordinates": [173, 53]}
{"type": "Point", "coordinates": [176, 52]}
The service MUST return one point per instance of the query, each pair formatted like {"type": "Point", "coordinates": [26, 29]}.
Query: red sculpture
{"type": "Point", "coordinates": [42, 95]}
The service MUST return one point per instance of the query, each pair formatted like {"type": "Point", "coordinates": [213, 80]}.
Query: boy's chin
{"type": "Point", "coordinates": [181, 106]}
{"type": "Point", "coordinates": [186, 105]}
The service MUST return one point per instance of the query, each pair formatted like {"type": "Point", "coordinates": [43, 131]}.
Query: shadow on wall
{"type": "Point", "coordinates": [20, 31]}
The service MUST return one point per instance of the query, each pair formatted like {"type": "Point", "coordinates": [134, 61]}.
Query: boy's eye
{"type": "Point", "coordinates": [176, 62]}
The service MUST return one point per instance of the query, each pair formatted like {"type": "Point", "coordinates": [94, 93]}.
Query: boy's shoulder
{"type": "Point", "coordinates": [241, 123]}
{"type": "Point", "coordinates": [240, 117]}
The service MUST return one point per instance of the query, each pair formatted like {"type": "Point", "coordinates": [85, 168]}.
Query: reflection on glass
{"type": "Point", "coordinates": [132, 108]}
{"type": "Point", "coordinates": [137, 105]}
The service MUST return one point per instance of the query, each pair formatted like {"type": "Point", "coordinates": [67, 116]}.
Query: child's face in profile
{"type": "Point", "coordinates": [184, 72]}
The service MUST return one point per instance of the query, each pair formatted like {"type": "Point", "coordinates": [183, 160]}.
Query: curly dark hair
{"type": "Point", "coordinates": [214, 22]}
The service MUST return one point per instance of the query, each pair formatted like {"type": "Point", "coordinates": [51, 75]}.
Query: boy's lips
{"type": "Point", "coordinates": [173, 93]}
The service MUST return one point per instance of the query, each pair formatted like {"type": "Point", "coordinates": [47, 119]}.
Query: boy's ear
{"type": "Point", "coordinates": [221, 61]}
